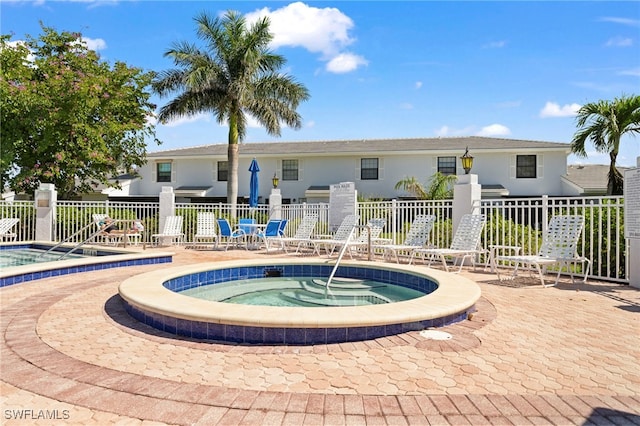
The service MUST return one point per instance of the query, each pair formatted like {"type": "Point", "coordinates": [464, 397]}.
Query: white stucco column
{"type": "Point", "coordinates": [466, 197]}
{"type": "Point", "coordinates": [632, 221]}
{"type": "Point", "coordinates": [46, 197]}
{"type": "Point", "coordinates": [167, 199]}
{"type": "Point", "coordinates": [275, 204]}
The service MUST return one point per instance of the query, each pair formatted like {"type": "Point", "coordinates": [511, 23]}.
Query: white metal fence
{"type": "Point", "coordinates": [511, 221]}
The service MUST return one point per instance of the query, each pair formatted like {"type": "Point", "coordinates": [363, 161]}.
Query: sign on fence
{"type": "Point", "coordinates": [342, 202]}
{"type": "Point", "coordinates": [632, 203]}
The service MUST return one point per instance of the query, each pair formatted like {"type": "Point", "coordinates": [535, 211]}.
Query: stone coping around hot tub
{"type": "Point", "coordinates": [119, 255]}
{"type": "Point", "coordinates": [146, 291]}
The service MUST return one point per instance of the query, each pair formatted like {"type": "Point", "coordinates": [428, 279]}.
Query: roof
{"type": "Point", "coordinates": [590, 177]}
{"type": "Point", "coordinates": [476, 143]}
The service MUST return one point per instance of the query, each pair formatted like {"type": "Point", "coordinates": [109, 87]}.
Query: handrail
{"type": "Point", "coordinates": [343, 250]}
{"type": "Point", "coordinates": [80, 244]}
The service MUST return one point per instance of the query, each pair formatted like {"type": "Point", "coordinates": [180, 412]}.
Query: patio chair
{"type": "Point", "coordinates": [104, 236]}
{"type": "Point", "coordinates": [6, 224]}
{"type": "Point", "coordinates": [417, 237]}
{"type": "Point", "coordinates": [205, 230]}
{"type": "Point", "coordinates": [338, 239]}
{"type": "Point", "coordinates": [271, 232]}
{"type": "Point", "coordinates": [230, 235]}
{"type": "Point", "coordinates": [371, 232]}
{"type": "Point", "coordinates": [302, 236]}
{"type": "Point", "coordinates": [559, 247]}
{"type": "Point", "coordinates": [172, 231]}
{"type": "Point", "coordinates": [465, 244]}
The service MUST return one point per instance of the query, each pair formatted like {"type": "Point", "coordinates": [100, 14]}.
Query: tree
{"type": "Point", "coordinates": [604, 123]}
{"type": "Point", "coordinates": [67, 117]}
{"type": "Point", "coordinates": [235, 76]}
{"type": "Point", "coordinates": [440, 187]}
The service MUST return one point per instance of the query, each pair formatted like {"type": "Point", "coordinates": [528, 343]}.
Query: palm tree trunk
{"type": "Point", "coordinates": [232, 158]}
{"type": "Point", "coordinates": [615, 181]}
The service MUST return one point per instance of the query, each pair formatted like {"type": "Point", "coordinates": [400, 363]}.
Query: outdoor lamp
{"type": "Point", "coordinates": [275, 181]}
{"type": "Point", "coordinates": [467, 161]}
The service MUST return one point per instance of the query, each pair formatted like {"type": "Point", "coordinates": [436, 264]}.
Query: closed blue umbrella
{"type": "Point", "coordinates": [253, 183]}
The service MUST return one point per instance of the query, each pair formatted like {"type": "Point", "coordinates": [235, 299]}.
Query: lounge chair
{"type": "Point", "coordinates": [417, 237]}
{"type": "Point", "coordinates": [230, 235]}
{"type": "Point", "coordinates": [465, 244]}
{"type": "Point", "coordinates": [342, 234]}
{"type": "Point", "coordinates": [370, 233]}
{"type": "Point", "coordinates": [6, 224]}
{"type": "Point", "coordinates": [205, 230]}
{"type": "Point", "coordinates": [302, 236]}
{"type": "Point", "coordinates": [172, 231]}
{"type": "Point", "coordinates": [104, 236]}
{"type": "Point", "coordinates": [559, 247]}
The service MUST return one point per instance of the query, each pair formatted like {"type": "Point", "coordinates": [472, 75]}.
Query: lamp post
{"type": "Point", "coordinates": [467, 161]}
{"type": "Point", "coordinates": [275, 181]}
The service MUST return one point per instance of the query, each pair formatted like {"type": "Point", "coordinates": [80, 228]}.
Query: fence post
{"type": "Point", "coordinates": [167, 200]}
{"type": "Point", "coordinates": [466, 197]}
{"type": "Point", "coordinates": [46, 198]}
{"type": "Point", "coordinates": [545, 213]}
{"type": "Point", "coordinates": [275, 204]}
{"type": "Point", "coordinates": [394, 220]}
{"type": "Point", "coordinates": [632, 221]}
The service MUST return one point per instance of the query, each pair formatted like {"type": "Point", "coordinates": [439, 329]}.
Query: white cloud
{"type": "Point", "coordinates": [187, 120]}
{"type": "Point", "coordinates": [345, 62]}
{"type": "Point", "coordinates": [633, 72]}
{"type": "Point", "coordinates": [448, 131]}
{"type": "Point", "coordinates": [495, 45]}
{"type": "Point", "coordinates": [94, 43]}
{"type": "Point", "coordinates": [552, 109]}
{"type": "Point", "coordinates": [309, 124]}
{"type": "Point", "coordinates": [619, 42]}
{"type": "Point", "coordinates": [494, 130]}
{"type": "Point", "coordinates": [406, 105]}
{"type": "Point", "coordinates": [324, 31]}
{"type": "Point", "coordinates": [623, 21]}
{"type": "Point", "coordinates": [418, 84]}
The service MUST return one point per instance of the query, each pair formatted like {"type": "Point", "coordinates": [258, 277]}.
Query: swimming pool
{"type": "Point", "coordinates": [92, 258]}
{"type": "Point", "coordinates": [153, 298]}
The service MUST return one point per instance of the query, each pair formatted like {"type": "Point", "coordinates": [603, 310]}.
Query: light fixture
{"type": "Point", "coordinates": [467, 161]}
{"type": "Point", "coordinates": [275, 181]}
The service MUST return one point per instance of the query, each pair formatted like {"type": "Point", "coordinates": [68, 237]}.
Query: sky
{"type": "Point", "coordinates": [390, 69]}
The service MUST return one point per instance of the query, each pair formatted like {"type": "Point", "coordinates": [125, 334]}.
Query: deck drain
{"type": "Point", "coordinates": [435, 335]}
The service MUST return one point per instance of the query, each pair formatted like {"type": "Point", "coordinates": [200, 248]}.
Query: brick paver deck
{"type": "Point", "coordinates": [530, 355]}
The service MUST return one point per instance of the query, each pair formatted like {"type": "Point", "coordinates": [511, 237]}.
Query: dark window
{"type": "Point", "coordinates": [526, 166]}
{"type": "Point", "coordinates": [289, 169]}
{"type": "Point", "coordinates": [223, 171]}
{"type": "Point", "coordinates": [164, 172]}
{"type": "Point", "coordinates": [369, 168]}
{"type": "Point", "coordinates": [447, 165]}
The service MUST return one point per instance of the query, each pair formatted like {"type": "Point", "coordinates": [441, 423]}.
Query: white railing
{"type": "Point", "coordinates": [522, 221]}
{"type": "Point", "coordinates": [511, 221]}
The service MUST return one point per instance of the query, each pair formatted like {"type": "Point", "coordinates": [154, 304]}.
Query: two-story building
{"type": "Point", "coordinates": [505, 167]}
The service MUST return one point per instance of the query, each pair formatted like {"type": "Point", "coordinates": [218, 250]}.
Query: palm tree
{"type": "Point", "coordinates": [440, 187]}
{"type": "Point", "coordinates": [235, 76]}
{"type": "Point", "coordinates": [604, 123]}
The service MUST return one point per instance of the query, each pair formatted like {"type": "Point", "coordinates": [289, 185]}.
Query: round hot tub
{"type": "Point", "coordinates": [154, 298]}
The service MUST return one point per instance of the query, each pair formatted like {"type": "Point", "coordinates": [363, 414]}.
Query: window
{"type": "Point", "coordinates": [289, 169]}
{"type": "Point", "coordinates": [369, 168]}
{"type": "Point", "coordinates": [526, 166]}
{"type": "Point", "coordinates": [163, 172]}
{"type": "Point", "coordinates": [447, 165]}
{"type": "Point", "coordinates": [223, 171]}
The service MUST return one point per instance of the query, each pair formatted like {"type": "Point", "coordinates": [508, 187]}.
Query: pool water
{"type": "Point", "coordinates": [29, 256]}
{"type": "Point", "coordinates": [303, 292]}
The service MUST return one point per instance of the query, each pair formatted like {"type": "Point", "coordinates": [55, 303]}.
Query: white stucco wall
{"type": "Point", "coordinates": [491, 168]}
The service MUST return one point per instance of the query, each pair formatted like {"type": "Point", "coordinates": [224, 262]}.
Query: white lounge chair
{"type": "Point", "coordinates": [205, 230]}
{"type": "Point", "coordinates": [302, 236]}
{"type": "Point", "coordinates": [417, 237]}
{"type": "Point", "coordinates": [172, 231]}
{"type": "Point", "coordinates": [6, 224]}
{"type": "Point", "coordinates": [341, 235]}
{"type": "Point", "coordinates": [371, 232]}
{"type": "Point", "coordinates": [559, 247]}
{"type": "Point", "coordinates": [465, 244]}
